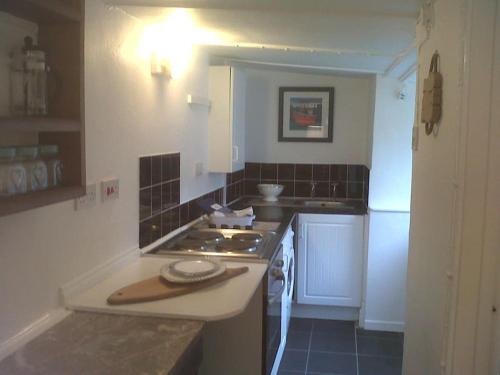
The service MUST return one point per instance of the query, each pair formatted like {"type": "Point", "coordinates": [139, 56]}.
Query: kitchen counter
{"type": "Point", "coordinates": [220, 301]}
{"type": "Point", "coordinates": [87, 343]}
{"type": "Point", "coordinates": [285, 210]}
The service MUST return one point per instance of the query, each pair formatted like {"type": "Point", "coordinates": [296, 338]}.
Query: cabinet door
{"type": "Point", "coordinates": [238, 107]}
{"type": "Point", "coordinates": [220, 139]}
{"type": "Point", "coordinates": [330, 260]}
{"type": "Point", "coordinates": [226, 119]}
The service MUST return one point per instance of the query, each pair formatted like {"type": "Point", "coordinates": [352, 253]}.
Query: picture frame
{"type": "Point", "coordinates": [306, 114]}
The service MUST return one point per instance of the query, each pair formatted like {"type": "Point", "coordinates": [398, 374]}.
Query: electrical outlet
{"type": "Point", "coordinates": [110, 189]}
{"type": "Point", "coordinates": [88, 200]}
{"type": "Point", "coordinates": [198, 168]}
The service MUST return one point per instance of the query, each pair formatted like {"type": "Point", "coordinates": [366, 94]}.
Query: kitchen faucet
{"type": "Point", "coordinates": [334, 191]}
{"type": "Point", "coordinates": [313, 188]}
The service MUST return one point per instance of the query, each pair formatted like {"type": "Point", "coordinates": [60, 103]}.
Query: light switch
{"type": "Point", "coordinates": [110, 189]}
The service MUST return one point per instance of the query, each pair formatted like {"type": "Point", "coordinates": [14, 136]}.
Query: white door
{"type": "Point", "coordinates": [330, 260]}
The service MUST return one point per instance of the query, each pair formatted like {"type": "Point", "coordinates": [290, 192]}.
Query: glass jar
{"type": "Point", "coordinates": [13, 178]}
{"type": "Point", "coordinates": [7, 155]}
{"type": "Point", "coordinates": [28, 80]}
{"type": "Point", "coordinates": [36, 170]}
{"type": "Point", "coordinates": [50, 155]}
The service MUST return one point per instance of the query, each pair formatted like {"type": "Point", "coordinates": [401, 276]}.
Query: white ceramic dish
{"type": "Point", "coordinates": [270, 191]}
{"type": "Point", "coordinates": [192, 270]}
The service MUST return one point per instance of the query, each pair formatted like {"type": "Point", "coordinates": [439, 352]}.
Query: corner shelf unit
{"type": "Point", "coordinates": [60, 34]}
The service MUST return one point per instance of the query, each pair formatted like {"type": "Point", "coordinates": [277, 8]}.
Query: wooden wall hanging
{"type": "Point", "coordinates": [432, 98]}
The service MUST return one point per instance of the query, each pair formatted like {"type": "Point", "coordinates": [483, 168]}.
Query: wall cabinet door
{"type": "Point", "coordinates": [226, 119]}
{"type": "Point", "coordinates": [330, 260]}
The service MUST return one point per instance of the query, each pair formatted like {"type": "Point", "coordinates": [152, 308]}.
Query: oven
{"type": "Point", "coordinates": [289, 270]}
{"type": "Point", "coordinates": [274, 335]}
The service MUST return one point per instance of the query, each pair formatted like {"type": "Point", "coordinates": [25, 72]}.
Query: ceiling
{"type": "Point", "coordinates": [353, 36]}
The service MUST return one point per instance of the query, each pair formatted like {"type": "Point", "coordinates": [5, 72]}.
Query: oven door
{"type": "Point", "coordinates": [287, 296]}
{"type": "Point", "coordinates": [274, 333]}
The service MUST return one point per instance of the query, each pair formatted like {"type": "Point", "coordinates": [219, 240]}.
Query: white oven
{"type": "Point", "coordinates": [289, 271]}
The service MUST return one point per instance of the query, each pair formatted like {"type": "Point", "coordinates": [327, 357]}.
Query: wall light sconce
{"type": "Point", "coordinates": [160, 66]}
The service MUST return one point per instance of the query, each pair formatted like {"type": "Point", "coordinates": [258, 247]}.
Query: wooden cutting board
{"type": "Point", "coordinates": [157, 288]}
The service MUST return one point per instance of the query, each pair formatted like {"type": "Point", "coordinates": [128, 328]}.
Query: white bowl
{"type": "Point", "coordinates": [270, 191]}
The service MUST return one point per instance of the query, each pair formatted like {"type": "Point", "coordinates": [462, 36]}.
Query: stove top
{"type": "Point", "coordinates": [203, 240]}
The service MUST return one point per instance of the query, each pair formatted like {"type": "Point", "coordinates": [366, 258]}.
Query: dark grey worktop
{"type": "Point", "coordinates": [88, 343]}
{"type": "Point", "coordinates": [285, 212]}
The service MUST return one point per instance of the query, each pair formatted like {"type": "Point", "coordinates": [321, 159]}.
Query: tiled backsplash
{"type": "Point", "coordinates": [336, 181]}
{"type": "Point", "coordinates": [160, 211]}
{"type": "Point", "coordinates": [235, 186]}
{"type": "Point", "coordinates": [159, 195]}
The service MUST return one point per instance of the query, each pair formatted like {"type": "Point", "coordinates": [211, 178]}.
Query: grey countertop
{"type": "Point", "coordinates": [88, 343]}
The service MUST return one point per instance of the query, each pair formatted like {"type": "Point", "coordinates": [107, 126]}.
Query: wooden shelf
{"type": "Point", "coordinates": [61, 35]}
{"type": "Point", "coordinates": [39, 124]}
{"type": "Point", "coordinates": [42, 11]}
{"type": "Point", "coordinates": [23, 202]}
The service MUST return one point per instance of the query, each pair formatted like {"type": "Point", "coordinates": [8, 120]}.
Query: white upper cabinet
{"type": "Point", "coordinates": [330, 260]}
{"type": "Point", "coordinates": [226, 119]}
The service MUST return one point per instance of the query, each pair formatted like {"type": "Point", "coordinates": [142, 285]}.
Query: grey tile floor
{"type": "Point", "coordinates": [332, 347]}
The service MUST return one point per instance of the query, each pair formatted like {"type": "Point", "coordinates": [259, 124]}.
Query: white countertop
{"type": "Point", "coordinates": [221, 301]}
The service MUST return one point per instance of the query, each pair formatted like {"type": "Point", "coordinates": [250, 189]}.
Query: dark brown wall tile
{"type": "Point", "coordinates": [184, 214]}
{"type": "Point", "coordinates": [269, 172]}
{"type": "Point", "coordinates": [288, 188]}
{"type": "Point", "coordinates": [286, 172]}
{"type": "Point", "coordinates": [303, 172]}
{"type": "Point", "coordinates": [338, 172]}
{"type": "Point", "coordinates": [145, 171]}
{"type": "Point", "coordinates": [155, 223]}
{"type": "Point", "coordinates": [176, 191]}
{"type": "Point", "coordinates": [251, 187]}
{"type": "Point", "coordinates": [355, 190]}
{"type": "Point", "coordinates": [321, 172]}
{"type": "Point", "coordinates": [156, 200]}
{"type": "Point", "coordinates": [339, 190]}
{"type": "Point", "coordinates": [252, 170]}
{"type": "Point", "coordinates": [303, 189]}
{"type": "Point", "coordinates": [144, 233]}
{"type": "Point", "coordinates": [322, 189]}
{"type": "Point", "coordinates": [156, 170]}
{"type": "Point", "coordinates": [144, 203]}
{"type": "Point", "coordinates": [355, 173]}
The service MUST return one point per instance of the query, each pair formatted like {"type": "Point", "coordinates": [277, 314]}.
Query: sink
{"type": "Point", "coordinates": [329, 204]}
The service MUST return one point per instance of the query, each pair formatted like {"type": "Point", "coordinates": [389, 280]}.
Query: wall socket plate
{"type": "Point", "coordinates": [88, 200]}
{"type": "Point", "coordinates": [199, 168]}
{"type": "Point", "coordinates": [110, 189]}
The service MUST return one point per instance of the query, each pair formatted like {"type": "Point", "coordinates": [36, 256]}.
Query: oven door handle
{"type": "Point", "coordinates": [275, 297]}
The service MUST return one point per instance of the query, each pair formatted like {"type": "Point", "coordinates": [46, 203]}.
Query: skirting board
{"type": "Point", "coordinates": [325, 312]}
{"type": "Point", "coordinates": [381, 325]}
{"type": "Point", "coordinates": [31, 331]}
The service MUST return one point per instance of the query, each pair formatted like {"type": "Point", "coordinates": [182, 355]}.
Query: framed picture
{"type": "Point", "coordinates": [305, 114]}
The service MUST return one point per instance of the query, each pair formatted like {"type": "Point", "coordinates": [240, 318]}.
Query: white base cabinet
{"type": "Point", "coordinates": [330, 259]}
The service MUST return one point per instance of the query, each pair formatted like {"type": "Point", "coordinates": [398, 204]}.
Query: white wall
{"type": "Point", "coordinates": [353, 111]}
{"type": "Point", "coordinates": [389, 204]}
{"type": "Point", "coordinates": [385, 298]}
{"type": "Point", "coordinates": [390, 174]}
{"type": "Point", "coordinates": [128, 113]}
{"type": "Point", "coordinates": [450, 200]}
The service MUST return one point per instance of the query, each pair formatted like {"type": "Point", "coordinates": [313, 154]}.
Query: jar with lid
{"type": "Point", "coordinates": [13, 179]}
{"type": "Point", "coordinates": [28, 80]}
{"type": "Point", "coordinates": [50, 155]}
{"type": "Point", "coordinates": [36, 170]}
